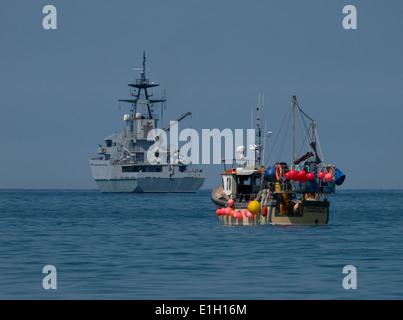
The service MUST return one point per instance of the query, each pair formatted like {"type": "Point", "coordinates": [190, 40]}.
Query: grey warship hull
{"type": "Point", "coordinates": [150, 185]}
{"type": "Point", "coordinates": [110, 178]}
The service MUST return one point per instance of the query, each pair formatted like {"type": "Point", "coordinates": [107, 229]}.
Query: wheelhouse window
{"type": "Point", "coordinates": [244, 180]}
{"type": "Point", "coordinates": [227, 185]}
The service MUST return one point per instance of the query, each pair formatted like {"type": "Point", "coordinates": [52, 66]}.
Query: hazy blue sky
{"type": "Point", "coordinates": [59, 88]}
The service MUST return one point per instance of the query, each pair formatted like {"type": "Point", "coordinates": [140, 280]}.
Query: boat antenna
{"type": "Point", "coordinates": [264, 144]}
{"type": "Point", "coordinates": [163, 106]}
{"type": "Point", "coordinates": [258, 147]}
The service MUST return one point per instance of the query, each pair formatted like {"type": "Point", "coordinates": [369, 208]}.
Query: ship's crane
{"type": "Point", "coordinates": [168, 127]}
{"type": "Point", "coordinates": [183, 116]}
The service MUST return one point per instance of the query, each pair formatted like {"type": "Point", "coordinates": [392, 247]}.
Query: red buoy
{"type": "Point", "coordinates": [301, 175]}
{"type": "Point", "coordinates": [310, 176]}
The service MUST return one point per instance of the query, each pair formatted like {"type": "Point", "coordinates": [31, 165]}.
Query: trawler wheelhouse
{"type": "Point", "coordinates": [240, 184]}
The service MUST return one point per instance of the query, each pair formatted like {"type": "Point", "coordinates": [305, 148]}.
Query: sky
{"type": "Point", "coordinates": [59, 89]}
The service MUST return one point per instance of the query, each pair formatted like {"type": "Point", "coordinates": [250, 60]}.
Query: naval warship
{"type": "Point", "coordinates": [123, 164]}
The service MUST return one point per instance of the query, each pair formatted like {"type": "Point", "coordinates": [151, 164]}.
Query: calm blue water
{"type": "Point", "coordinates": [143, 246]}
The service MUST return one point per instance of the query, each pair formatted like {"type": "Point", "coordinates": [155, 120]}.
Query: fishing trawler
{"type": "Point", "coordinates": [281, 194]}
{"type": "Point", "coordinates": [124, 163]}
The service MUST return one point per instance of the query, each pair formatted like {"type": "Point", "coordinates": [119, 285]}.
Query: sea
{"type": "Point", "coordinates": [173, 247]}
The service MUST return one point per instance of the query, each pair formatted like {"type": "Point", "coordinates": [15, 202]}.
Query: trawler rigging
{"type": "Point", "coordinates": [283, 193]}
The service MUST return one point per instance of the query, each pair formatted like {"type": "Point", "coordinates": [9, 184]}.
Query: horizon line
{"type": "Point", "coordinates": [95, 189]}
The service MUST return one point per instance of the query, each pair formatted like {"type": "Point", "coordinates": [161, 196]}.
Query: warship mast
{"type": "Point", "coordinates": [142, 84]}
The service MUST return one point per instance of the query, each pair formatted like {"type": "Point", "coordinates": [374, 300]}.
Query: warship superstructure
{"type": "Point", "coordinates": [124, 163]}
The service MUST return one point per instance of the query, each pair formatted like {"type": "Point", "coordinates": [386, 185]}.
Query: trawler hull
{"type": "Point", "coordinates": [151, 185]}
{"type": "Point", "coordinates": [311, 217]}
{"type": "Point", "coordinates": [310, 212]}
